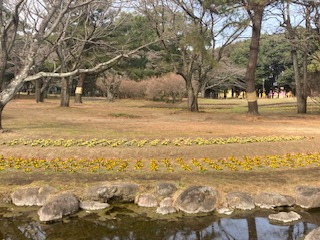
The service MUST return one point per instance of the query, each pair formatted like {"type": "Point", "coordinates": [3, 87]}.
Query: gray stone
{"type": "Point", "coordinates": [166, 210]}
{"type": "Point", "coordinates": [31, 196]}
{"type": "Point", "coordinates": [285, 217]}
{"type": "Point", "coordinates": [166, 189]}
{"type": "Point", "coordinates": [93, 205]}
{"type": "Point", "coordinates": [123, 193]}
{"type": "Point", "coordinates": [272, 200]}
{"type": "Point", "coordinates": [240, 200]}
{"type": "Point", "coordinates": [147, 200]}
{"type": "Point", "coordinates": [166, 207]}
{"type": "Point", "coordinates": [313, 235]}
{"type": "Point", "coordinates": [225, 211]}
{"type": "Point", "coordinates": [197, 199]}
{"type": "Point", "coordinates": [167, 202]}
{"type": "Point", "coordinates": [308, 197]}
{"type": "Point", "coordinates": [58, 206]}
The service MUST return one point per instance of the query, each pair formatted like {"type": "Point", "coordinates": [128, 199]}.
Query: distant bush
{"type": "Point", "coordinates": [168, 88]}
{"type": "Point", "coordinates": [132, 89]}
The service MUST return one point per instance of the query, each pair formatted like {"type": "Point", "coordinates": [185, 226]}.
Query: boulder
{"type": "Point", "coordinates": [166, 189]}
{"type": "Point", "coordinates": [167, 202]}
{"type": "Point", "coordinates": [166, 210]}
{"type": "Point", "coordinates": [147, 200]}
{"type": "Point", "coordinates": [31, 196]}
{"type": "Point", "coordinates": [272, 200]}
{"type": "Point", "coordinates": [225, 211]}
{"type": "Point", "coordinates": [122, 193]}
{"type": "Point", "coordinates": [197, 199]}
{"type": "Point", "coordinates": [58, 206]}
{"type": "Point", "coordinates": [313, 235]}
{"type": "Point", "coordinates": [240, 200]}
{"type": "Point", "coordinates": [285, 217]}
{"type": "Point", "coordinates": [93, 205]}
{"type": "Point", "coordinates": [308, 197]}
{"type": "Point", "coordinates": [166, 207]}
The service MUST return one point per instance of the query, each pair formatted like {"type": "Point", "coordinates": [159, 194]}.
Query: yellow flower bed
{"type": "Point", "coordinates": [144, 142]}
{"type": "Point", "coordinates": [102, 165]}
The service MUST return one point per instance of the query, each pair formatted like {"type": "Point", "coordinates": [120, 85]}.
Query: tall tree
{"type": "Point", "coordinates": [300, 38]}
{"type": "Point", "coordinates": [40, 26]}
{"type": "Point", "coordinates": [255, 10]}
{"type": "Point", "coordinates": [88, 43]}
{"type": "Point", "coordinates": [274, 65]}
{"type": "Point", "coordinates": [193, 28]}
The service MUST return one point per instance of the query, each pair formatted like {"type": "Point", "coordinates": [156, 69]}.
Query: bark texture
{"type": "Point", "coordinates": [255, 12]}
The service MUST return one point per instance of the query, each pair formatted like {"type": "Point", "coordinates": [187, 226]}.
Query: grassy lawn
{"type": "Point", "coordinates": [137, 140]}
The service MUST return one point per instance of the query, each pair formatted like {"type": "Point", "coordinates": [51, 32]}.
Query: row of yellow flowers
{"type": "Point", "coordinates": [144, 142]}
{"type": "Point", "coordinates": [103, 165]}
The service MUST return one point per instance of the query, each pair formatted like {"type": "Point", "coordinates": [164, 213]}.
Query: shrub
{"type": "Point", "coordinates": [168, 88]}
{"type": "Point", "coordinates": [132, 89]}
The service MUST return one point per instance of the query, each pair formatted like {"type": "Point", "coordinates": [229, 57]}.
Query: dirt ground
{"type": "Point", "coordinates": [127, 119]}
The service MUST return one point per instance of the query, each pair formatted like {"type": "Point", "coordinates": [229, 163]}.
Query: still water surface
{"type": "Point", "coordinates": [124, 223]}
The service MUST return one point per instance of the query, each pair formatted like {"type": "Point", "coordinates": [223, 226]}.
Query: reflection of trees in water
{"type": "Point", "coordinates": [259, 228]}
{"type": "Point", "coordinates": [32, 231]}
{"type": "Point", "coordinates": [139, 227]}
{"type": "Point", "coordinates": [10, 229]}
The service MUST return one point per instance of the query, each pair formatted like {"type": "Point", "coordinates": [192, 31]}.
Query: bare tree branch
{"type": "Point", "coordinates": [95, 70]}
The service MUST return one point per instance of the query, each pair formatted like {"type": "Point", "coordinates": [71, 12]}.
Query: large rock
{"type": "Point", "coordinates": [166, 207]}
{"type": "Point", "coordinates": [240, 200]}
{"type": "Point", "coordinates": [308, 197]}
{"type": "Point", "coordinates": [31, 196]}
{"type": "Point", "coordinates": [272, 200]}
{"type": "Point", "coordinates": [166, 210]}
{"type": "Point", "coordinates": [167, 202]}
{"type": "Point", "coordinates": [225, 210]}
{"type": "Point", "coordinates": [93, 205]}
{"type": "Point", "coordinates": [313, 235]}
{"type": "Point", "coordinates": [285, 217]}
{"type": "Point", "coordinates": [58, 206]}
{"type": "Point", "coordinates": [197, 199]}
{"type": "Point", "coordinates": [166, 189]}
{"type": "Point", "coordinates": [124, 193]}
{"type": "Point", "coordinates": [147, 200]}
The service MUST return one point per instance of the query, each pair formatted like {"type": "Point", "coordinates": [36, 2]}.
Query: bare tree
{"type": "Point", "coordinates": [87, 44]}
{"type": "Point", "coordinates": [40, 27]}
{"type": "Point", "coordinates": [193, 27]}
{"type": "Point", "coordinates": [226, 76]}
{"type": "Point", "coordinates": [109, 83]}
{"type": "Point", "coordinates": [301, 40]}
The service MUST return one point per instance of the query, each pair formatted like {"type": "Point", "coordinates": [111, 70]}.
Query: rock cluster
{"type": "Point", "coordinates": [165, 197]}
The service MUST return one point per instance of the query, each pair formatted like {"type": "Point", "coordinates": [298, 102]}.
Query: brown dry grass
{"type": "Point", "coordinates": [127, 119]}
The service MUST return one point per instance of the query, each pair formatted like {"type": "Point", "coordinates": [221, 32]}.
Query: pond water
{"type": "Point", "coordinates": [125, 222]}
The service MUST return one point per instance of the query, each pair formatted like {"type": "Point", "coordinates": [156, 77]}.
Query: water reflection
{"type": "Point", "coordinates": [32, 230]}
{"type": "Point", "coordinates": [128, 225]}
{"type": "Point", "coordinates": [261, 229]}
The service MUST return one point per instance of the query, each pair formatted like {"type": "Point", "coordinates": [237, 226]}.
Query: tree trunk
{"type": "Point", "coordinates": [110, 95]}
{"type": "Point", "coordinates": [1, 109]}
{"type": "Point", "coordinates": [65, 96]}
{"type": "Point", "coordinates": [79, 89]}
{"type": "Point", "coordinates": [252, 228]}
{"type": "Point", "coordinates": [300, 88]}
{"type": "Point", "coordinates": [256, 18]}
{"type": "Point", "coordinates": [301, 100]}
{"type": "Point", "coordinates": [192, 100]}
{"type": "Point", "coordinates": [38, 94]}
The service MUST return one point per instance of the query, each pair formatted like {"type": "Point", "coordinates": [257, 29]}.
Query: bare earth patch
{"type": "Point", "coordinates": [127, 119]}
